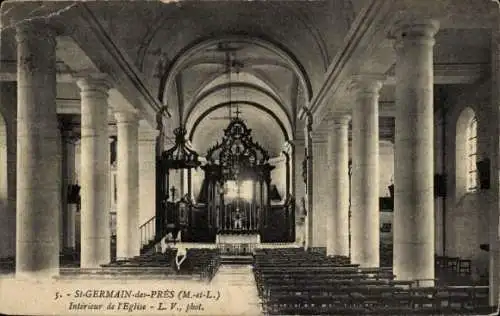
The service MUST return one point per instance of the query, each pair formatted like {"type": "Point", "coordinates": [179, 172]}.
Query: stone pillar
{"type": "Point", "coordinates": [78, 181]}
{"type": "Point", "coordinates": [8, 139]}
{"type": "Point", "coordinates": [299, 185]}
{"type": "Point", "coordinates": [68, 178]}
{"type": "Point", "coordinates": [308, 174]}
{"type": "Point", "coordinates": [288, 153]}
{"type": "Point", "coordinates": [321, 205]}
{"type": "Point", "coordinates": [38, 153]}
{"type": "Point", "coordinates": [413, 166]}
{"type": "Point", "coordinates": [95, 223]}
{"type": "Point", "coordinates": [127, 210]}
{"type": "Point", "coordinates": [113, 157]}
{"type": "Point", "coordinates": [338, 216]}
{"type": "Point", "coordinates": [365, 235]}
{"type": "Point", "coordinates": [439, 168]}
{"type": "Point", "coordinates": [147, 172]}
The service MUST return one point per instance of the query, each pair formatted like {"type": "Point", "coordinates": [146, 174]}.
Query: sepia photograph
{"type": "Point", "coordinates": [279, 157]}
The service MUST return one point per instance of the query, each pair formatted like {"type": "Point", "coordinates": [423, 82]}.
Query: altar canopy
{"type": "Point", "coordinates": [238, 179]}
{"type": "Point", "coordinates": [234, 202]}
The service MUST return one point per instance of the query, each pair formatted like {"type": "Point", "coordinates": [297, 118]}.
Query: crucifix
{"type": "Point", "coordinates": [237, 112]}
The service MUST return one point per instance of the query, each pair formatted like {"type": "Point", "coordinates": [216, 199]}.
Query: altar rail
{"type": "Point", "coordinates": [243, 249]}
{"type": "Point", "coordinates": [250, 248]}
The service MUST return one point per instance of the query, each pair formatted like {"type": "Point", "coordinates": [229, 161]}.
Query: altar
{"type": "Point", "coordinates": [253, 239]}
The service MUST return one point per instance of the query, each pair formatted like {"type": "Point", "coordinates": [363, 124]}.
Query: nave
{"type": "Point", "coordinates": [359, 129]}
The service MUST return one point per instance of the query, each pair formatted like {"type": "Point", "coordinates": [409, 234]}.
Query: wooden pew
{"type": "Point", "coordinates": [295, 282]}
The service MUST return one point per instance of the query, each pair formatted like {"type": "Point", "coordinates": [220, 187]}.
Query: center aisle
{"type": "Point", "coordinates": [239, 281]}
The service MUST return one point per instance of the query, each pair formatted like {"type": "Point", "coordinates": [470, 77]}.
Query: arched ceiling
{"type": "Point", "coordinates": [283, 48]}
{"type": "Point", "coordinates": [243, 78]}
{"type": "Point", "coordinates": [280, 52]}
{"type": "Point", "coordinates": [164, 31]}
{"type": "Point", "coordinates": [216, 74]}
{"type": "Point", "coordinates": [265, 129]}
{"type": "Point", "coordinates": [240, 95]}
{"type": "Point", "coordinates": [234, 63]}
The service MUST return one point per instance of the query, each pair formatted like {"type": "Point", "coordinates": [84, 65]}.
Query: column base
{"type": "Point", "coordinates": [95, 254]}
{"type": "Point", "coordinates": [37, 275]}
{"type": "Point", "coordinates": [413, 261]}
{"type": "Point", "coordinates": [37, 259]}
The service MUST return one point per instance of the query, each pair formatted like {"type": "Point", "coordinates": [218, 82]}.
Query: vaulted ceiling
{"type": "Point", "coordinates": [166, 30]}
{"type": "Point", "coordinates": [278, 54]}
{"type": "Point", "coordinates": [266, 59]}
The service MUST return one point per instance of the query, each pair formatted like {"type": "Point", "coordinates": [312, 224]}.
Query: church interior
{"type": "Point", "coordinates": [341, 153]}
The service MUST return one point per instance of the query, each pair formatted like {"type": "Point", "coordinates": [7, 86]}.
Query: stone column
{"type": "Point", "coordinates": [439, 168]}
{"type": "Point", "coordinates": [127, 210]}
{"type": "Point", "coordinates": [147, 173]}
{"type": "Point", "coordinates": [308, 173]}
{"type": "Point", "coordinates": [8, 100]}
{"type": "Point", "coordinates": [338, 216]}
{"type": "Point", "coordinates": [299, 186]}
{"type": "Point", "coordinates": [288, 153]}
{"type": "Point", "coordinates": [95, 223]}
{"type": "Point", "coordinates": [365, 235]}
{"type": "Point", "coordinates": [113, 157]}
{"type": "Point", "coordinates": [38, 153]}
{"type": "Point", "coordinates": [321, 205]}
{"type": "Point", "coordinates": [78, 226]}
{"type": "Point", "coordinates": [413, 166]}
{"type": "Point", "coordinates": [68, 178]}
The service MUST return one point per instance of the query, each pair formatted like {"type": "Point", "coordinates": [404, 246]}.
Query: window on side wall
{"type": "Point", "coordinates": [472, 174]}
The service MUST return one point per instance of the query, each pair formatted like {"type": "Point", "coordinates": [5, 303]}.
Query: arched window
{"type": "Point", "coordinates": [472, 183]}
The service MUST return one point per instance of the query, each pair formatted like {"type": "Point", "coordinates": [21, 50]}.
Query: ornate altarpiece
{"type": "Point", "coordinates": [239, 163]}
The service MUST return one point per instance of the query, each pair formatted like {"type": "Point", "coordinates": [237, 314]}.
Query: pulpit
{"type": "Point", "coordinates": [173, 216]}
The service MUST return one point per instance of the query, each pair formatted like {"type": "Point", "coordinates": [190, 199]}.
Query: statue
{"type": "Point", "coordinates": [238, 218]}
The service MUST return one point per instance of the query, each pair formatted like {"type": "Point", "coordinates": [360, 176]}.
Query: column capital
{"type": "Point", "coordinates": [385, 143]}
{"type": "Point", "coordinates": [414, 30]}
{"type": "Point", "coordinates": [39, 29]}
{"type": "Point", "coordinates": [95, 82]}
{"type": "Point", "coordinates": [340, 121]}
{"type": "Point", "coordinates": [127, 117]}
{"type": "Point", "coordinates": [366, 83]}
